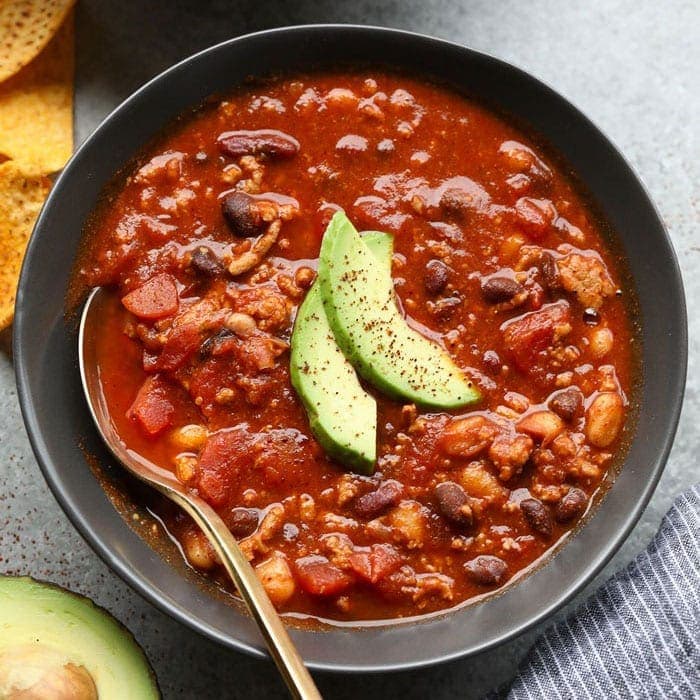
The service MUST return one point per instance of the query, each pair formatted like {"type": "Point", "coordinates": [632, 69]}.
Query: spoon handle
{"type": "Point", "coordinates": [280, 646]}
{"type": "Point", "coordinates": [283, 651]}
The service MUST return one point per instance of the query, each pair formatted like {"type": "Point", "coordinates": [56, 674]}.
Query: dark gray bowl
{"type": "Point", "coordinates": [58, 422]}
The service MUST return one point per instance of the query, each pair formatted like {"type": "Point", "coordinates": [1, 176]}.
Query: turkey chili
{"type": "Point", "coordinates": [499, 269]}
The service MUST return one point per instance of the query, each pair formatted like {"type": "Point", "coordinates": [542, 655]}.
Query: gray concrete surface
{"type": "Point", "coordinates": [631, 66]}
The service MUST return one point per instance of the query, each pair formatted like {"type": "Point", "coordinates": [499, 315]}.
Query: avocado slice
{"type": "Point", "coordinates": [342, 416]}
{"type": "Point", "coordinates": [56, 644]}
{"type": "Point", "coordinates": [358, 297]}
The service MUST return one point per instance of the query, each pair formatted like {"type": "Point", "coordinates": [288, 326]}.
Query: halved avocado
{"type": "Point", "coordinates": [342, 416]}
{"type": "Point", "coordinates": [58, 645]}
{"type": "Point", "coordinates": [358, 297]}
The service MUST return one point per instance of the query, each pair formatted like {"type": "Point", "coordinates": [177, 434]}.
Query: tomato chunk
{"type": "Point", "coordinates": [528, 335]}
{"type": "Point", "coordinates": [182, 342]}
{"type": "Point", "coordinates": [375, 564]}
{"type": "Point", "coordinates": [318, 576]}
{"type": "Point", "coordinates": [154, 299]}
{"type": "Point", "coordinates": [152, 407]}
{"type": "Point", "coordinates": [223, 457]}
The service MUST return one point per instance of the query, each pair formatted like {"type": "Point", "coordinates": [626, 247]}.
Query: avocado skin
{"type": "Point", "coordinates": [312, 333]}
{"type": "Point", "coordinates": [420, 371]}
{"type": "Point", "coordinates": [68, 617]}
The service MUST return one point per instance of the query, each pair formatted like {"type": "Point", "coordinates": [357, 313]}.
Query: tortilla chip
{"type": "Point", "coordinates": [26, 26]}
{"type": "Point", "coordinates": [36, 108]}
{"type": "Point", "coordinates": [21, 199]}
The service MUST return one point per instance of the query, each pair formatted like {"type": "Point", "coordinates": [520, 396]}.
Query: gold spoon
{"type": "Point", "coordinates": [280, 646]}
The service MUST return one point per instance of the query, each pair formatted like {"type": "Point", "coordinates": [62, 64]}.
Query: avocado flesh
{"type": "Point", "coordinates": [342, 416]}
{"type": "Point", "coordinates": [358, 297]}
{"type": "Point", "coordinates": [44, 624]}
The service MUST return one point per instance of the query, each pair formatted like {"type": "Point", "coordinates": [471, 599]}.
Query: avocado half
{"type": "Point", "coordinates": [57, 645]}
{"type": "Point", "coordinates": [342, 416]}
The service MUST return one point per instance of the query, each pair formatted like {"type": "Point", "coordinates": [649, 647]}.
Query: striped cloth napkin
{"type": "Point", "coordinates": [639, 635]}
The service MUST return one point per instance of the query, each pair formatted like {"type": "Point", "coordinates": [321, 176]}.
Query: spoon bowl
{"type": "Point", "coordinates": [280, 646]}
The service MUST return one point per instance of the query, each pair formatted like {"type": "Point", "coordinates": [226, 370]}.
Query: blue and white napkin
{"type": "Point", "coordinates": [639, 635]}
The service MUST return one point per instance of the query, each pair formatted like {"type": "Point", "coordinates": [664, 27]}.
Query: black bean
{"type": "Point", "coordinates": [242, 215]}
{"type": "Point", "coordinates": [499, 289]}
{"type": "Point", "coordinates": [374, 503]}
{"type": "Point", "coordinates": [242, 521]}
{"type": "Point", "coordinates": [204, 262]}
{"type": "Point", "coordinates": [567, 404]}
{"type": "Point", "coordinates": [571, 506]}
{"type": "Point", "coordinates": [537, 516]}
{"type": "Point", "coordinates": [436, 276]}
{"type": "Point", "coordinates": [486, 569]}
{"type": "Point", "coordinates": [453, 504]}
{"type": "Point", "coordinates": [209, 345]}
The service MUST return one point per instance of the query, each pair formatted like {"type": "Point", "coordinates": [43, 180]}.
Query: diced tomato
{"type": "Point", "coordinates": [534, 216]}
{"type": "Point", "coordinates": [221, 461]}
{"type": "Point", "coordinates": [318, 576]}
{"type": "Point", "coordinates": [373, 565]}
{"type": "Point", "coordinates": [528, 335]}
{"type": "Point", "coordinates": [181, 343]}
{"type": "Point", "coordinates": [154, 299]}
{"type": "Point", "coordinates": [152, 407]}
{"type": "Point", "coordinates": [207, 378]}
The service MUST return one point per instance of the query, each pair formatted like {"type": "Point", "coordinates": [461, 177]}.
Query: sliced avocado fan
{"type": "Point", "coordinates": [56, 644]}
{"type": "Point", "coordinates": [358, 296]}
{"type": "Point", "coordinates": [342, 416]}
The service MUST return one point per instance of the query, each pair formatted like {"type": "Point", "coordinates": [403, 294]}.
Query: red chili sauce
{"type": "Point", "coordinates": [210, 244]}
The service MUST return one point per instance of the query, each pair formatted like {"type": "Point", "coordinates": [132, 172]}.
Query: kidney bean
{"type": "Point", "coordinates": [567, 404]}
{"type": "Point", "coordinates": [499, 289]}
{"type": "Point", "coordinates": [550, 272]}
{"type": "Point", "coordinates": [571, 506]}
{"type": "Point", "coordinates": [242, 521]}
{"type": "Point", "coordinates": [268, 142]}
{"type": "Point", "coordinates": [486, 569]}
{"type": "Point", "coordinates": [537, 516]}
{"type": "Point", "coordinates": [436, 276]}
{"type": "Point", "coordinates": [374, 503]}
{"type": "Point", "coordinates": [452, 504]}
{"type": "Point", "coordinates": [242, 214]}
{"type": "Point", "coordinates": [204, 262]}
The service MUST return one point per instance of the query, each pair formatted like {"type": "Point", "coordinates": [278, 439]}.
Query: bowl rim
{"type": "Point", "coordinates": [134, 580]}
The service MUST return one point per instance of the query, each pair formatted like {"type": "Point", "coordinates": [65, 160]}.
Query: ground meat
{"type": "Point", "coordinates": [586, 276]}
{"type": "Point", "coordinates": [268, 306]}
